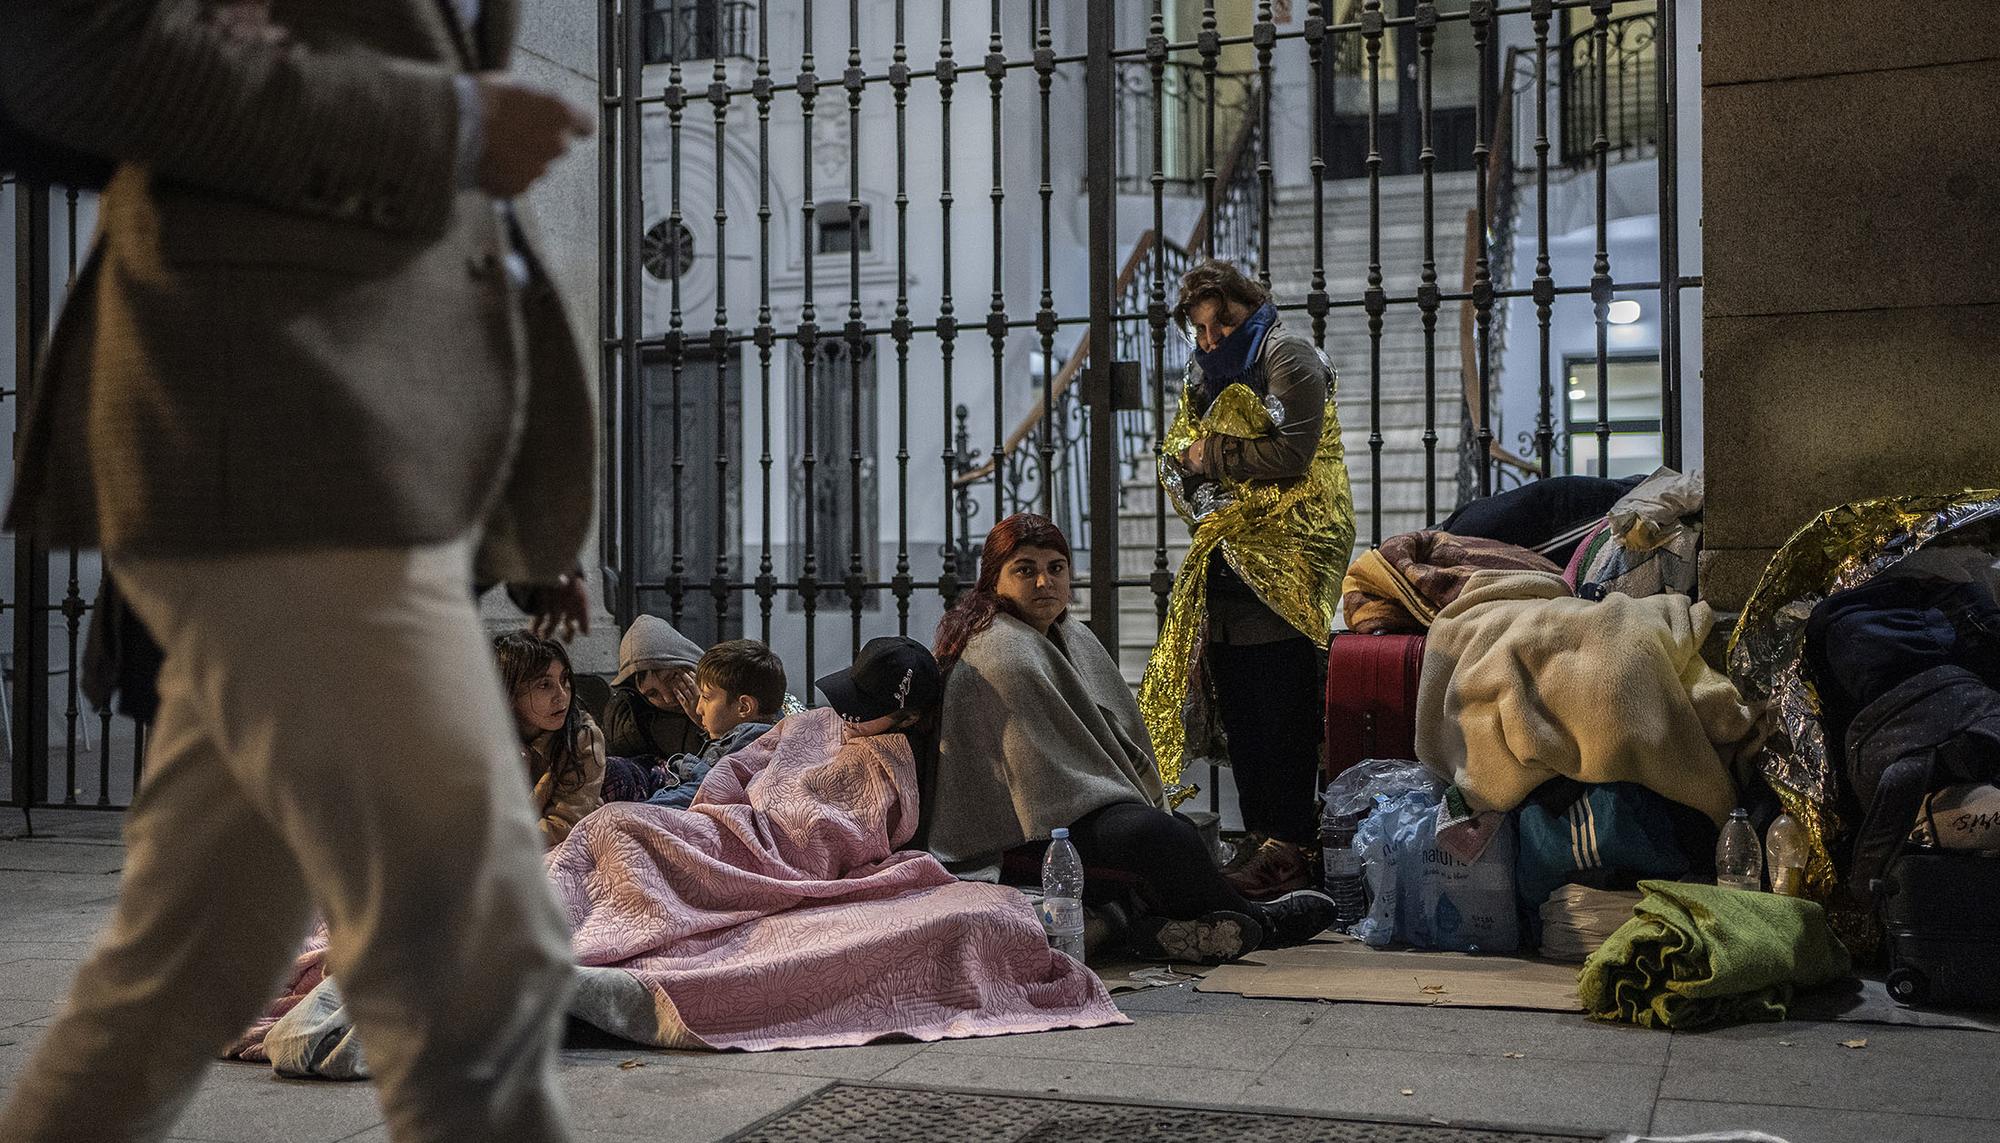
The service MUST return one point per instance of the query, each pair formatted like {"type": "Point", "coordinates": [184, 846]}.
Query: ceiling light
{"type": "Point", "coordinates": [1624, 311]}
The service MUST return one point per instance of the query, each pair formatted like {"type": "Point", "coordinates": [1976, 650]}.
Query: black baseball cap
{"type": "Point", "coordinates": [892, 673]}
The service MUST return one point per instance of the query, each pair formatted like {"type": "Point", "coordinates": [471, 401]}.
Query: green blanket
{"type": "Point", "coordinates": [1695, 955]}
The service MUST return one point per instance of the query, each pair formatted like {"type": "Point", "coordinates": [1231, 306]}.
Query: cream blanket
{"type": "Point", "coordinates": [1522, 682]}
{"type": "Point", "coordinates": [1035, 733]}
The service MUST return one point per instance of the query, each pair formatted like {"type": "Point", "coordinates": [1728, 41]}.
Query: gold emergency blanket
{"type": "Point", "coordinates": [1288, 539]}
{"type": "Point", "coordinates": [1842, 548]}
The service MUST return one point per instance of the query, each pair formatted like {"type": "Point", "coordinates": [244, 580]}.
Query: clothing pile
{"type": "Point", "coordinates": [1578, 741]}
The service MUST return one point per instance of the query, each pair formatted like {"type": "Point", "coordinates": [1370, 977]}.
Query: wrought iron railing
{"type": "Point", "coordinates": [688, 30]}
{"type": "Point", "coordinates": [1229, 226]}
{"type": "Point", "coordinates": [1610, 81]}
{"type": "Point", "coordinates": [1181, 108]}
{"type": "Point", "coordinates": [58, 753]}
{"type": "Point", "coordinates": [1485, 465]}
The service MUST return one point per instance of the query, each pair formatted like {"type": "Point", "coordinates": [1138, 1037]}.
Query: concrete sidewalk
{"type": "Point", "coordinates": [1794, 1080]}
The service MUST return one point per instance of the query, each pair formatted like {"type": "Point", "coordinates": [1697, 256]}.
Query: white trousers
{"type": "Point", "coordinates": [332, 732]}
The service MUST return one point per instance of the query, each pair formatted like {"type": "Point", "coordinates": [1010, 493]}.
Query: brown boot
{"type": "Point", "coordinates": [1273, 869]}
{"type": "Point", "coordinates": [1240, 855]}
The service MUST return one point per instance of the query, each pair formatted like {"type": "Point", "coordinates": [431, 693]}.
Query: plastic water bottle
{"type": "Point", "coordinates": [1344, 879]}
{"type": "Point", "coordinates": [1062, 895]}
{"type": "Point", "coordinates": [1739, 860]}
{"type": "Point", "coordinates": [1785, 851]}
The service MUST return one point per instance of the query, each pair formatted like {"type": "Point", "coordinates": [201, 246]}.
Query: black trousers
{"type": "Point", "coordinates": [1272, 700]}
{"type": "Point", "coordinates": [1177, 875]}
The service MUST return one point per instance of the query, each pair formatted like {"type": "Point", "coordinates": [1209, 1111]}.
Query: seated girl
{"type": "Point", "coordinates": [560, 745]}
{"type": "Point", "coordinates": [1038, 730]}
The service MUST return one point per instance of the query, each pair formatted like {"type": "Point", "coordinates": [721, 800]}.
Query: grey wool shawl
{"type": "Point", "coordinates": [1035, 733]}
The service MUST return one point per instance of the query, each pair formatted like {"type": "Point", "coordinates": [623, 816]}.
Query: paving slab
{"type": "Point", "coordinates": [245, 1103]}
{"type": "Point", "coordinates": [1914, 1071]}
{"type": "Point", "coordinates": [14, 1012]}
{"type": "Point", "coordinates": [53, 856]}
{"type": "Point", "coordinates": [857, 1063]}
{"type": "Point", "coordinates": [1816, 1124]}
{"type": "Point", "coordinates": [1155, 1038]}
{"type": "Point", "coordinates": [16, 1045]}
{"type": "Point", "coordinates": [1461, 1089]}
{"type": "Point", "coordinates": [36, 979]}
{"type": "Point", "coordinates": [67, 924]}
{"type": "Point", "coordinates": [1192, 1079]}
{"type": "Point", "coordinates": [1183, 998]}
{"type": "Point", "coordinates": [666, 1103]}
{"type": "Point", "coordinates": [40, 950]}
{"type": "Point", "coordinates": [1489, 1032]}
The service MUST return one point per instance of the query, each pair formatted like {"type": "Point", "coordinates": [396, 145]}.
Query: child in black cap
{"type": "Point", "coordinates": [893, 685]}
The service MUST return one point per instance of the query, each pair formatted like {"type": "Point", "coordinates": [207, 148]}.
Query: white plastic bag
{"type": "Point", "coordinates": [1650, 515]}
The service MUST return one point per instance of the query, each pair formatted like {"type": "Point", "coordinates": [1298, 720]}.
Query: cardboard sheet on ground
{"type": "Point", "coordinates": [1346, 969]}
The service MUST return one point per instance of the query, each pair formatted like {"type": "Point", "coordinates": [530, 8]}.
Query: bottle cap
{"type": "Point", "coordinates": [1060, 833]}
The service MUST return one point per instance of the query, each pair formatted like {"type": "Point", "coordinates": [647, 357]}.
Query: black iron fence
{"type": "Point", "coordinates": [59, 751]}
{"type": "Point", "coordinates": [853, 309]}
{"type": "Point", "coordinates": [1610, 86]}
{"type": "Point", "coordinates": [1042, 362]}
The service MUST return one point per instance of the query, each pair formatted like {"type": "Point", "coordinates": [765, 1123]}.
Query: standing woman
{"type": "Point", "coordinates": [1253, 463]}
{"type": "Point", "coordinates": [560, 744]}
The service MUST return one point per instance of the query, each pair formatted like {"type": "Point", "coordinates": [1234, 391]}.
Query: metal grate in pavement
{"type": "Point", "coordinates": [854, 1113]}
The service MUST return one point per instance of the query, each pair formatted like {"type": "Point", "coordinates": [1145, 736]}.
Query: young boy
{"type": "Point", "coordinates": [739, 694]}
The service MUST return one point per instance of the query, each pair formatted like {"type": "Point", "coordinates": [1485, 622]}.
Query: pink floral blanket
{"type": "Point", "coordinates": [775, 912]}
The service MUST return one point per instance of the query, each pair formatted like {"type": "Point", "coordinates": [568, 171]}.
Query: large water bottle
{"type": "Point", "coordinates": [1785, 852]}
{"type": "Point", "coordinates": [1062, 895]}
{"type": "Point", "coordinates": [1345, 880]}
{"type": "Point", "coordinates": [1739, 860]}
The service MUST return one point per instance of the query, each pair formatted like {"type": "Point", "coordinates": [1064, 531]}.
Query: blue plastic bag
{"type": "Point", "coordinates": [1423, 896]}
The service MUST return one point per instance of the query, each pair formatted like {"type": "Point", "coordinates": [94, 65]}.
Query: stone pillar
{"type": "Point", "coordinates": [557, 47]}
{"type": "Point", "coordinates": [1851, 245]}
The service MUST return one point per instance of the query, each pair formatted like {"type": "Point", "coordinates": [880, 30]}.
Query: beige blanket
{"type": "Point", "coordinates": [1522, 682]}
{"type": "Point", "coordinates": [1036, 732]}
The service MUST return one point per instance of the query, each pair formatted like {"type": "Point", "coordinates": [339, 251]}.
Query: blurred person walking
{"type": "Point", "coordinates": [312, 381]}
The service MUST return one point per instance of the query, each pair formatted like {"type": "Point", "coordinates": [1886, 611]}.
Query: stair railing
{"type": "Point", "coordinates": [1485, 464]}
{"type": "Point", "coordinates": [1227, 227]}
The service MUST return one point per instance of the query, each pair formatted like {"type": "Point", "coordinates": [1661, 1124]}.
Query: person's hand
{"type": "Point", "coordinates": [1198, 457]}
{"type": "Point", "coordinates": [562, 608]}
{"type": "Point", "coordinates": [526, 128]}
{"type": "Point", "coordinates": [681, 688]}
{"type": "Point", "coordinates": [849, 731]}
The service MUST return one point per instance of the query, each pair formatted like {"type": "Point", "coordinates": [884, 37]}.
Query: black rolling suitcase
{"type": "Point", "coordinates": [1940, 914]}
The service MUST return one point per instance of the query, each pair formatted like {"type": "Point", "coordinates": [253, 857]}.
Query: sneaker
{"type": "Point", "coordinates": [1208, 939]}
{"type": "Point", "coordinates": [1273, 869]}
{"type": "Point", "coordinates": [1298, 917]}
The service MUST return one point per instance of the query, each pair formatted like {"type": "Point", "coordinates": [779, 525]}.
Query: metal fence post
{"type": "Point", "coordinates": [1100, 88]}
{"type": "Point", "coordinates": [31, 554]}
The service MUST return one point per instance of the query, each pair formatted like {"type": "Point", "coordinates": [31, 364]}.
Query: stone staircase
{"type": "Point", "coordinates": [1402, 397]}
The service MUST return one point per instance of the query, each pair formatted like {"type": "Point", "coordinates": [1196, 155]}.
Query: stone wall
{"type": "Point", "coordinates": [1851, 238]}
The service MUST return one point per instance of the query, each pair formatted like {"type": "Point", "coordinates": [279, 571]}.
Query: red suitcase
{"type": "Point", "coordinates": [1371, 698]}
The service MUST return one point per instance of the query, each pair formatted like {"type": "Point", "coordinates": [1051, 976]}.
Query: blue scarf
{"type": "Point", "coordinates": [1230, 361]}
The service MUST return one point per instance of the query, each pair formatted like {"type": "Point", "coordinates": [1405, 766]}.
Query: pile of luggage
{"type": "Point", "coordinates": [1521, 727]}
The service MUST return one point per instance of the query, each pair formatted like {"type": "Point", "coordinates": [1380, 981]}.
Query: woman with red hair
{"type": "Point", "coordinates": [1039, 731]}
